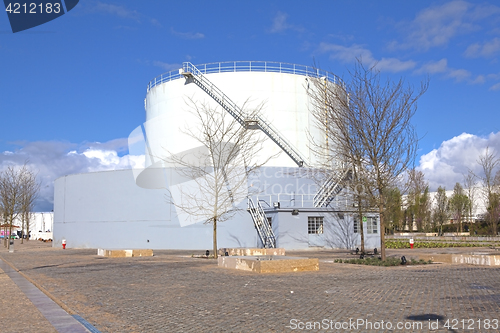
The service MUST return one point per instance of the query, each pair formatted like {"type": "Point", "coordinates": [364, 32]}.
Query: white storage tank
{"type": "Point", "coordinates": [281, 88]}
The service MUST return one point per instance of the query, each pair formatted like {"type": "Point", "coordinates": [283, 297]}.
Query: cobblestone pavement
{"type": "Point", "coordinates": [17, 312]}
{"type": "Point", "coordinates": [172, 292]}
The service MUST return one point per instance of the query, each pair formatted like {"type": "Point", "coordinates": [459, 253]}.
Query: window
{"type": "Point", "coordinates": [315, 225]}
{"type": "Point", "coordinates": [371, 225]}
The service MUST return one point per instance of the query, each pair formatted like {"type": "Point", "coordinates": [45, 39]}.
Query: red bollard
{"type": "Point", "coordinates": [64, 244]}
{"type": "Point", "coordinates": [411, 243]}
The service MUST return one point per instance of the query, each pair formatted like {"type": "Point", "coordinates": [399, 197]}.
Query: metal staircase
{"type": "Point", "coordinates": [330, 188]}
{"type": "Point", "coordinates": [261, 223]}
{"type": "Point", "coordinates": [193, 74]}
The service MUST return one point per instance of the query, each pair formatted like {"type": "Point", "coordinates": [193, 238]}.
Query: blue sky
{"type": "Point", "coordinates": [72, 90]}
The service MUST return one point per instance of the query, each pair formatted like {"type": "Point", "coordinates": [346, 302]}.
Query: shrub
{"type": "Point", "coordinates": [376, 261]}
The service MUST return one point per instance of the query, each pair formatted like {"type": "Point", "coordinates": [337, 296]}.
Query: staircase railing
{"type": "Point", "coordinates": [261, 223]}
{"type": "Point", "coordinates": [331, 188]}
{"type": "Point", "coordinates": [192, 74]}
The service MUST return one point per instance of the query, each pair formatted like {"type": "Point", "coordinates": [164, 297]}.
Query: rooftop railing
{"type": "Point", "coordinates": [249, 66]}
{"type": "Point", "coordinates": [286, 200]}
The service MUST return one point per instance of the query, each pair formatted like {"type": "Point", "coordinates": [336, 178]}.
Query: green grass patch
{"type": "Point", "coordinates": [420, 244]}
{"type": "Point", "coordinates": [377, 261]}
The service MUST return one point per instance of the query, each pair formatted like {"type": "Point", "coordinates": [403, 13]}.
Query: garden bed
{"type": "Point", "coordinates": [377, 261]}
{"type": "Point", "coordinates": [405, 244]}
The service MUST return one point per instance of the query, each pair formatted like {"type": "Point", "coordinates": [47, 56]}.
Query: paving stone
{"type": "Point", "coordinates": [173, 292]}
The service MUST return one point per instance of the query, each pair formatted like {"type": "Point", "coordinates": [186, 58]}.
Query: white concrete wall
{"type": "Point", "coordinates": [108, 210]}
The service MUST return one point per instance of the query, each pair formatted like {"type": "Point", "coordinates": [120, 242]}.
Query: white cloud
{"type": "Point", "coordinates": [280, 24]}
{"type": "Point", "coordinates": [117, 10]}
{"type": "Point", "coordinates": [155, 22]}
{"type": "Point", "coordinates": [495, 87]}
{"type": "Point", "coordinates": [480, 79]}
{"type": "Point", "coordinates": [348, 54]}
{"type": "Point", "coordinates": [433, 67]}
{"type": "Point", "coordinates": [187, 35]}
{"type": "Point", "coordinates": [394, 65]}
{"type": "Point", "coordinates": [446, 165]}
{"type": "Point", "coordinates": [167, 66]}
{"type": "Point", "coordinates": [441, 67]}
{"type": "Point", "coordinates": [435, 26]}
{"type": "Point", "coordinates": [53, 159]}
{"type": "Point", "coordinates": [486, 49]}
{"type": "Point", "coordinates": [459, 74]}
{"type": "Point", "coordinates": [121, 11]}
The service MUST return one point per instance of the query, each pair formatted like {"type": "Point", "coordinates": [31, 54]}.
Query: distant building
{"type": "Point", "coordinates": [41, 225]}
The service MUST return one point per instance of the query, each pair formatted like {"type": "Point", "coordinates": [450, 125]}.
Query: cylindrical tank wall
{"type": "Point", "coordinates": [286, 105]}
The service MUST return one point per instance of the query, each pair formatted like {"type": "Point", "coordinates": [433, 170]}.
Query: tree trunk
{"type": "Point", "coordinates": [382, 237]}
{"type": "Point", "coordinates": [10, 234]}
{"type": "Point", "coordinates": [382, 225]}
{"type": "Point", "coordinates": [215, 238]}
{"type": "Point", "coordinates": [22, 228]}
{"type": "Point", "coordinates": [361, 228]}
{"type": "Point", "coordinates": [28, 227]}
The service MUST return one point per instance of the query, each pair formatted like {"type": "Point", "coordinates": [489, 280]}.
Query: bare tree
{"type": "Point", "coordinates": [418, 200]}
{"type": "Point", "coordinates": [459, 205]}
{"type": "Point", "coordinates": [18, 190]}
{"type": "Point", "coordinates": [494, 204]}
{"type": "Point", "coordinates": [394, 211]}
{"type": "Point", "coordinates": [489, 162]}
{"type": "Point", "coordinates": [212, 179]}
{"type": "Point", "coordinates": [339, 159]}
{"type": "Point", "coordinates": [440, 212]}
{"type": "Point", "coordinates": [368, 123]}
{"type": "Point", "coordinates": [10, 199]}
{"type": "Point", "coordinates": [470, 183]}
{"type": "Point", "coordinates": [30, 188]}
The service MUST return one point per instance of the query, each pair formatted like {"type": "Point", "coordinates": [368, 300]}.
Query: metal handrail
{"type": "Point", "coordinates": [331, 187]}
{"type": "Point", "coordinates": [199, 78]}
{"type": "Point", "coordinates": [249, 66]}
{"type": "Point", "coordinates": [303, 200]}
{"type": "Point", "coordinates": [259, 218]}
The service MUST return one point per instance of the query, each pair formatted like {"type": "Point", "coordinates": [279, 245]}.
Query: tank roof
{"type": "Point", "coordinates": [248, 66]}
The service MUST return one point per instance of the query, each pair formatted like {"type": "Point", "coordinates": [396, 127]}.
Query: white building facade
{"type": "Point", "coordinates": [130, 209]}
